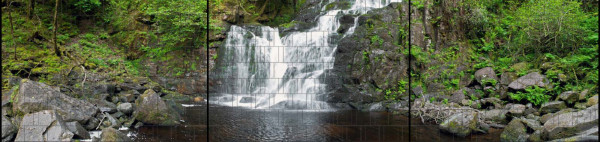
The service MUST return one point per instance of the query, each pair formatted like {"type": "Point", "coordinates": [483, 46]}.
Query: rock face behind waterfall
{"type": "Point", "coordinates": [363, 65]}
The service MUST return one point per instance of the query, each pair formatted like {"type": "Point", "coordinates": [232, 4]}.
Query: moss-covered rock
{"type": "Point", "coordinates": [461, 124]}
{"type": "Point", "coordinates": [151, 109]}
{"type": "Point", "coordinates": [515, 131]}
{"type": "Point", "coordinates": [113, 135]}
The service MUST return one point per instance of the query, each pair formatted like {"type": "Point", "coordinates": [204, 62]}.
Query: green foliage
{"type": "Point", "coordinates": [87, 5]}
{"type": "Point", "coordinates": [445, 101]}
{"type": "Point", "coordinates": [536, 95]}
{"type": "Point", "coordinates": [376, 40]}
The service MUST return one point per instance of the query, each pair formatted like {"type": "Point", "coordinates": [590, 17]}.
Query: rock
{"type": "Point", "coordinates": [515, 131]}
{"type": "Point", "coordinates": [151, 109]}
{"type": "Point", "coordinates": [247, 100]}
{"type": "Point", "coordinates": [497, 103]}
{"type": "Point", "coordinates": [531, 79]}
{"type": "Point", "coordinates": [78, 130]}
{"type": "Point", "coordinates": [117, 114]}
{"type": "Point", "coordinates": [138, 125]}
{"type": "Point", "coordinates": [132, 86]}
{"type": "Point", "coordinates": [34, 96]}
{"type": "Point", "coordinates": [377, 107]}
{"type": "Point", "coordinates": [126, 108]}
{"type": "Point", "coordinates": [496, 115]}
{"type": "Point", "coordinates": [92, 124]}
{"type": "Point", "coordinates": [8, 129]}
{"type": "Point", "coordinates": [590, 135]}
{"type": "Point", "coordinates": [569, 96]}
{"type": "Point", "coordinates": [517, 109]}
{"type": "Point", "coordinates": [45, 125]}
{"type": "Point", "coordinates": [507, 77]}
{"type": "Point", "coordinates": [592, 101]}
{"type": "Point", "coordinates": [114, 123]}
{"type": "Point", "coordinates": [569, 124]}
{"type": "Point", "coordinates": [103, 88]}
{"type": "Point", "coordinates": [579, 105]}
{"type": "Point", "coordinates": [583, 94]}
{"type": "Point", "coordinates": [536, 136]}
{"type": "Point", "coordinates": [113, 135]}
{"type": "Point", "coordinates": [551, 107]}
{"type": "Point", "coordinates": [547, 117]}
{"type": "Point", "coordinates": [104, 106]}
{"type": "Point", "coordinates": [460, 124]}
{"type": "Point", "coordinates": [127, 98]}
{"type": "Point", "coordinates": [484, 74]}
{"type": "Point", "coordinates": [457, 96]}
{"type": "Point", "coordinates": [532, 124]}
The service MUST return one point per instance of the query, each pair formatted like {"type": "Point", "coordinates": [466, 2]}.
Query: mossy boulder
{"type": "Point", "coordinates": [151, 109]}
{"type": "Point", "coordinates": [113, 135]}
{"type": "Point", "coordinates": [461, 124]}
{"type": "Point", "coordinates": [515, 131]}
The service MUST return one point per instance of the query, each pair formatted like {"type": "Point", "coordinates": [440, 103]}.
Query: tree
{"type": "Point", "coordinates": [56, 49]}
{"type": "Point", "coordinates": [551, 25]}
{"type": "Point", "coordinates": [31, 9]}
{"type": "Point", "coordinates": [11, 28]}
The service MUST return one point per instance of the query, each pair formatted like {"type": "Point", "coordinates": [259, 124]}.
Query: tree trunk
{"type": "Point", "coordinates": [31, 9]}
{"type": "Point", "coordinates": [56, 49]}
{"type": "Point", "coordinates": [262, 9]}
{"type": "Point", "coordinates": [12, 29]}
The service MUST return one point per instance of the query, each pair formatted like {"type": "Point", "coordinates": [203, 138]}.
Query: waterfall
{"type": "Point", "coordinates": [263, 70]}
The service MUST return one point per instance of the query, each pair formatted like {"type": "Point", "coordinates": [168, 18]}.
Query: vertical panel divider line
{"type": "Point", "coordinates": [409, 68]}
{"type": "Point", "coordinates": [207, 70]}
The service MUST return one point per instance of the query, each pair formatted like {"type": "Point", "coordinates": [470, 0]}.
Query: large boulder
{"type": "Point", "coordinates": [8, 129]}
{"type": "Point", "coordinates": [35, 96]}
{"type": "Point", "coordinates": [569, 124]}
{"type": "Point", "coordinates": [461, 124]}
{"type": "Point", "coordinates": [551, 107]}
{"type": "Point", "coordinates": [45, 125]}
{"type": "Point", "coordinates": [151, 109]}
{"type": "Point", "coordinates": [484, 74]}
{"type": "Point", "coordinates": [531, 79]}
{"type": "Point", "coordinates": [113, 135]}
{"type": "Point", "coordinates": [515, 131]}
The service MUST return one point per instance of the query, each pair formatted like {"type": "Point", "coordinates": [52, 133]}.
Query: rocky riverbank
{"type": "Point", "coordinates": [34, 111]}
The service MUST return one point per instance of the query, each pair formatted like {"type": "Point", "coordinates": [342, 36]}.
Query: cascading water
{"type": "Point", "coordinates": [265, 71]}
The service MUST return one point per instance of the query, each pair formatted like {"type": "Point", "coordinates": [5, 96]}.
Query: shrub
{"type": "Point", "coordinates": [534, 95]}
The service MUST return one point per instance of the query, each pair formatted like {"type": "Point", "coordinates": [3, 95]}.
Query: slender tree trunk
{"type": "Point", "coordinates": [31, 8]}
{"type": "Point", "coordinates": [262, 9]}
{"type": "Point", "coordinates": [12, 29]}
{"type": "Point", "coordinates": [56, 49]}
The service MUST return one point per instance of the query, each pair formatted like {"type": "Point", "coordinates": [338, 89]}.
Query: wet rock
{"type": "Point", "coordinates": [496, 115]}
{"type": "Point", "coordinates": [111, 121]}
{"type": "Point", "coordinates": [150, 109]}
{"type": "Point", "coordinates": [126, 108]}
{"type": "Point", "coordinates": [569, 96]}
{"type": "Point", "coordinates": [92, 124]}
{"type": "Point", "coordinates": [579, 105]}
{"type": "Point", "coordinates": [34, 96]}
{"type": "Point", "coordinates": [515, 131]}
{"type": "Point", "coordinates": [247, 100]}
{"type": "Point", "coordinates": [461, 124]}
{"type": "Point", "coordinates": [44, 125]}
{"type": "Point", "coordinates": [485, 74]}
{"type": "Point", "coordinates": [592, 101]}
{"type": "Point", "coordinates": [78, 130]}
{"type": "Point", "coordinates": [569, 124]}
{"type": "Point", "coordinates": [117, 114]}
{"type": "Point", "coordinates": [531, 79]}
{"type": "Point", "coordinates": [551, 107]}
{"type": "Point", "coordinates": [8, 129]}
{"type": "Point", "coordinates": [113, 135]}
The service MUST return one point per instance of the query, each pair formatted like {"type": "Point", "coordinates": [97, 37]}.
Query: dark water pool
{"type": "Point", "coordinates": [242, 124]}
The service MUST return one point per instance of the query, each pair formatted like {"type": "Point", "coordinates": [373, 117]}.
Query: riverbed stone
{"type": "Point", "coordinates": [515, 131]}
{"type": "Point", "coordinates": [151, 109]}
{"type": "Point", "coordinates": [461, 124]}
{"type": "Point", "coordinates": [45, 125]}
{"type": "Point", "coordinates": [113, 135]}
{"type": "Point", "coordinates": [496, 115]}
{"type": "Point", "coordinates": [551, 107]}
{"type": "Point", "coordinates": [78, 130]}
{"type": "Point", "coordinates": [517, 109]}
{"type": "Point", "coordinates": [126, 108]}
{"type": "Point", "coordinates": [34, 96]}
{"type": "Point", "coordinates": [569, 124]}
{"type": "Point", "coordinates": [569, 96]}
{"type": "Point", "coordinates": [531, 79]}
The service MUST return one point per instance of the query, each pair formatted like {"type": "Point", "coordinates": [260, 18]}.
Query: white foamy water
{"type": "Point", "coordinates": [267, 71]}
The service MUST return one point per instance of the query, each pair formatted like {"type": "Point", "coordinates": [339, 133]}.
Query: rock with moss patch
{"type": "Point", "coordinates": [113, 135]}
{"type": "Point", "coordinates": [551, 107]}
{"type": "Point", "coordinates": [461, 124]}
{"type": "Point", "coordinates": [515, 131]}
{"type": "Point", "coordinates": [151, 109]}
{"type": "Point", "coordinates": [485, 76]}
{"type": "Point", "coordinates": [569, 124]}
{"type": "Point", "coordinates": [496, 115]}
{"type": "Point", "coordinates": [592, 101]}
{"type": "Point", "coordinates": [34, 96]}
{"type": "Point", "coordinates": [569, 96]}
